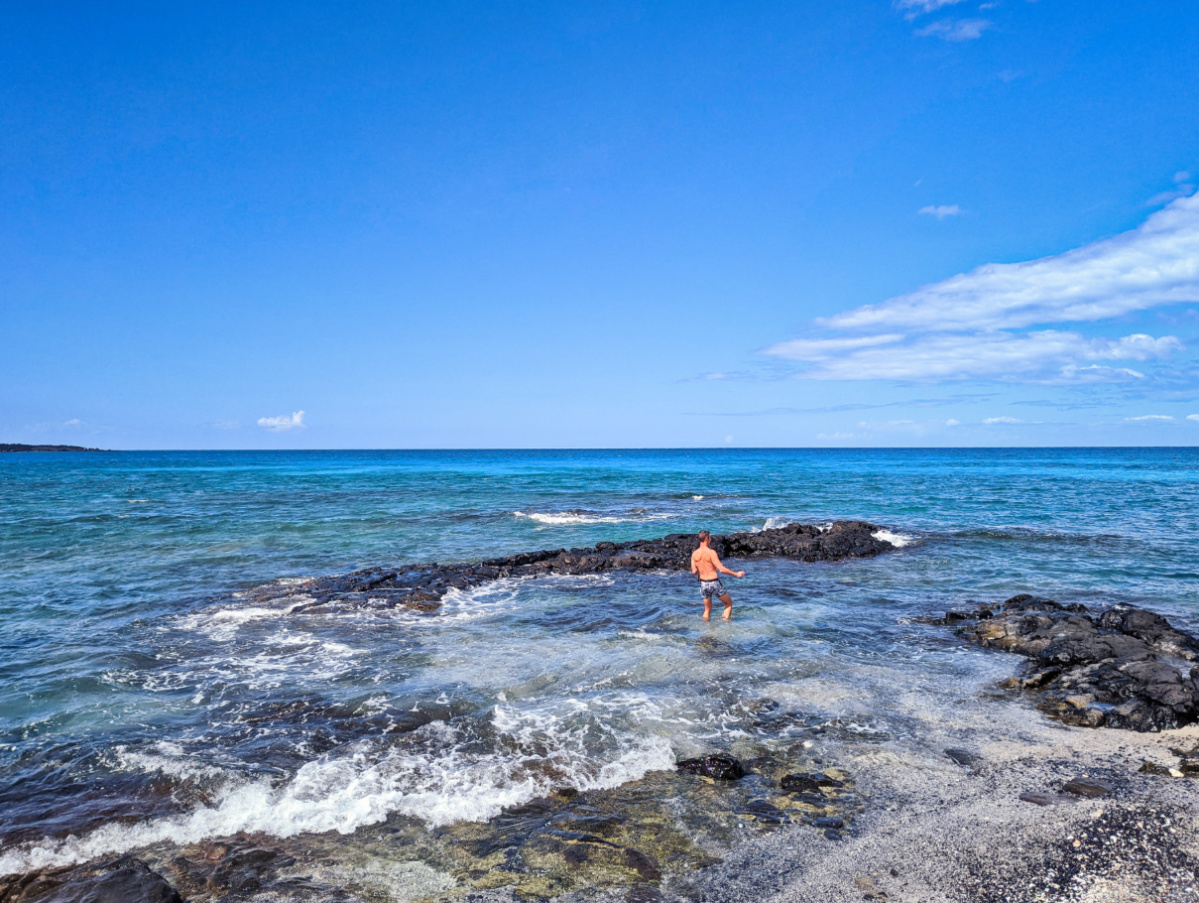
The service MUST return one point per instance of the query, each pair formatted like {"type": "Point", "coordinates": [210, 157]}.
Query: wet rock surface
{"type": "Point", "coordinates": [629, 839]}
{"type": "Point", "coordinates": [421, 587]}
{"type": "Point", "coordinates": [1110, 668]}
{"type": "Point", "coordinates": [125, 880]}
{"type": "Point", "coordinates": [715, 766]}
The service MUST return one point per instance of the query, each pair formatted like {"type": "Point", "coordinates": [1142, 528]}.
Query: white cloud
{"type": "Point", "coordinates": [1150, 417]}
{"type": "Point", "coordinates": [1164, 197]}
{"type": "Point", "coordinates": [284, 423]}
{"type": "Point", "coordinates": [941, 210]}
{"type": "Point", "coordinates": [914, 8]}
{"type": "Point", "coordinates": [1192, 416]}
{"type": "Point", "coordinates": [991, 355]}
{"type": "Point", "coordinates": [228, 425]}
{"type": "Point", "coordinates": [956, 29]}
{"type": "Point", "coordinates": [818, 349]}
{"type": "Point", "coordinates": [1097, 374]}
{"type": "Point", "coordinates": [1182, 176]}
{"type": "Point", "coordinates": [834, 437]}
{"type": "Point", "coordinates": [976, 325]}
{"type": "Point", "coordinates": [1003, 420]}
{"type": "Point", "coordinates": [1155, 264]}
{"type": "Point", "coordinates": [74, 421]}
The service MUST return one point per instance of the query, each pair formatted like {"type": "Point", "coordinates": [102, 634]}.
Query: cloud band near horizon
{"type": "Point", "coordinates": [970, 325]}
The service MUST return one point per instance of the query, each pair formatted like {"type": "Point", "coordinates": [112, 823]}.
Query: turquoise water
{"type": "Point", "coordinates": [151, 673]}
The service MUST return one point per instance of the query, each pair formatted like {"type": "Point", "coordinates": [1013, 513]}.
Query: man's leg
{"type": "Point", "coordinates": [728, 606]}
{"type": "Point", "coordinates": [707, 608]}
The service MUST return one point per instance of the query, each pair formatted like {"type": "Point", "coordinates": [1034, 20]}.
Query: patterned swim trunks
{"type": "Point", "coordinates": [711, 588]}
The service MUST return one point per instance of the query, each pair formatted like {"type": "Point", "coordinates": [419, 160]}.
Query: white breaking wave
{"type": "Point", "coordinates": [899, 540]}
{"type": "Point", "coordinates": [440, 777]}
{"type": "Point", "coordinates": [223, 623]}
{"type": "Point", "coordinates": [772, 523]}
{"type": "Point", "coordinates": [584, 517]}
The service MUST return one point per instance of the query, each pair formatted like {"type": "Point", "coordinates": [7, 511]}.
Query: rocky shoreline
{"type": "Point", "coordinates": [771, 817]}
{"type": "Point", "coordinates": [1122, 667]}
{"type": "Point", "coordinates": [421, 587]}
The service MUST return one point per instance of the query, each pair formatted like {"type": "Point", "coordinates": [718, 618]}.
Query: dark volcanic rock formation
{"type": "Point", "coordinates": [1095, 669]}
{"type": "Point", "coordinates": [422, 586]}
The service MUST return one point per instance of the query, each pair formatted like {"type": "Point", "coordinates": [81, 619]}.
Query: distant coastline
{"type": "Point", "coordinates": [18, 447]}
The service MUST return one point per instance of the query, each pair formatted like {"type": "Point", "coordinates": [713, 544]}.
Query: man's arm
{"type": "Point", "coordinates": [720, 567]}
{"type": "Point", "coordinates": [694, 566]}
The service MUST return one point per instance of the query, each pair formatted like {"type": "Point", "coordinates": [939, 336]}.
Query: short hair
{"type": "Point", "coordinates": [704, 534]}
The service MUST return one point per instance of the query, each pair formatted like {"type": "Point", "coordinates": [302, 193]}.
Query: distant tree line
{"type": "Point", "coordinates": [18, 447]}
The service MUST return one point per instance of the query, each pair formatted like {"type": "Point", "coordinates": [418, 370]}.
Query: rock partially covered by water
{"type": "Point", "coordinates": [808, 782]}
{"type": "Point", "coordinates": [421, 587]}
{"type": "Point", "coordinates": [1093, 669]}
{"type": "Point", "coordinates": [127, 880]}
{"type": "Point", "coordinates": [715, 766]}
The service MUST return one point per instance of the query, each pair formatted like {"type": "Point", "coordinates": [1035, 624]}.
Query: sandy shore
{"type": "Point", "coordinates": [934, 831]}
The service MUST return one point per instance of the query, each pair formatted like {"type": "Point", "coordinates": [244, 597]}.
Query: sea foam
{"type": "Point", "coordinates": [438, 775]}
{"type": "Point", "coordinates": [899, 540]}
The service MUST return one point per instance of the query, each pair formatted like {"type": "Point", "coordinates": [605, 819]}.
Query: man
{"type": "Point", "coordinates": [705, 564]}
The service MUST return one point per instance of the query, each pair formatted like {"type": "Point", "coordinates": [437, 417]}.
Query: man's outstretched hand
{"type": "Point", "coordinates": [739, 573]}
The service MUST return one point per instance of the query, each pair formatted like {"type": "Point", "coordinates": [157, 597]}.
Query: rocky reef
{"type": "Point", "coordinates": [1123, 667]}
{"type": "Point", "coordinates": [422, 586]}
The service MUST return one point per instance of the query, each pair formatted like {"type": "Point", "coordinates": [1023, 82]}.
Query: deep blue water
{"type": "Point", "coordinates": [146, 639]}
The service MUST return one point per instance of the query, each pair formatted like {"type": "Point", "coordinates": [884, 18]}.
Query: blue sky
{"type": "Point", "coordinates": [391, 225]}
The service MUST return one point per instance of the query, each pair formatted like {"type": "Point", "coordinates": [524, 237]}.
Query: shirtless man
{"type": "Point", "coordinates": [705, 564]}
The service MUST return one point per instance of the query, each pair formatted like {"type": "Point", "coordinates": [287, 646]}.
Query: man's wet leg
{"type": "Point", "coordinates": [728, 607]}
{"type": "Point", "coordinates": [707, 608]}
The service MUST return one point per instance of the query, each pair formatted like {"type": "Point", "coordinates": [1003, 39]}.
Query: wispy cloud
{"type": "Point", "coordinates": [73, 422]}
{"type": "Point", "coordinates": [956, 29]}
{"type": "Point", "coordinates": [988, 355]}
{"type": "Point", "coordinates": [917, 7]}
{"type": "Point", "coordinates": [1182, 188]}
{"type": "Point", "coordinates": [834, 437]}
{"type": "Point", "coordinates": [1153, 265]}
{"type": "Point", "coordinates": [972, 325]}
{"type": "Point", "coordinates": [230, 424]}
{"type": "Point", "coordinates": [940, 211]}
{"type": "Point", "coordinates": [1192, 416]}
{"type": "Point", "coordinates": [1149, 417]}
{"type": "Point", "coordinates": [284, 423]}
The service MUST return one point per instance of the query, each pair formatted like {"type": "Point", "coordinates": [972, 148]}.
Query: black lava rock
{"type": "Point", "coordinates": [716, 766]}
{"type": "Point", "coordinates": [808, 782]}
{"type": "Point", "coordinates": [1094, 669]}
{"type": "Point", "coordinates": [127, 880]}
{"type": "Point", "coordinates": [421, 587]}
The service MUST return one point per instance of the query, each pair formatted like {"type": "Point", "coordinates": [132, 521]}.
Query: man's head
{"type": "Point", "coordinates": [704, 536]}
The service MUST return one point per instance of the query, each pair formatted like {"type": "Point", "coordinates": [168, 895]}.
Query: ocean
{"type": "Point", "coordinates": [157, 689]}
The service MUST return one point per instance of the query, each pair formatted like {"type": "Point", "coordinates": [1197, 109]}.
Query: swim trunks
{"type": "Point", "coordinates": [711, 588]}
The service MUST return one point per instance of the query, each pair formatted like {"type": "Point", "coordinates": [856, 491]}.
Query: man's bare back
{"type": "Point", "coordinates": [705, 564]}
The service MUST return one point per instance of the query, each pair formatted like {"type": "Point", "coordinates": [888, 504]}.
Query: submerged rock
{"type": "Point", "coordinates": [126, 880]}
{"type": "Point", "coordinates": [1101, 669]}
{"type": "Point", "coordinates": [715, 766]}
{"type": "Point", "coordinates": [421, 587]}
{"type": "Point", "coordinates": [808, 782]}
